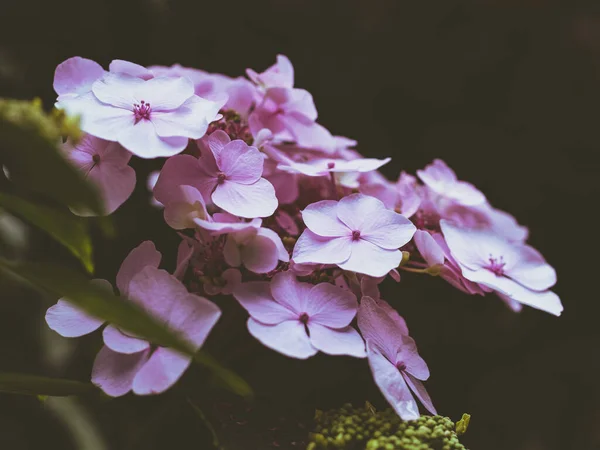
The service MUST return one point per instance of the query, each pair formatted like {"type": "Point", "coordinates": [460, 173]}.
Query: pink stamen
{"type": "Point", "coordinates": [141, 111]}
{"type": "Point", "coordinates": [355, 235]}
{"type": "Point", "coordinates": [221, 177]}
{"type": "Point", "coordinates": [496, 265]}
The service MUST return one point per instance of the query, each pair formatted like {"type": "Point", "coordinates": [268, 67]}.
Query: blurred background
{"type": "Point", "coordinates": [507, 92]}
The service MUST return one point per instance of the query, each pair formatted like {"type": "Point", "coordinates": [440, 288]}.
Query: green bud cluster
{"type": "Point", "coordinates": [350, 428]}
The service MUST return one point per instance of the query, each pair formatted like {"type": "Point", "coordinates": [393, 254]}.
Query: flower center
{"type": "Point", "coordinates": [96, 158]}
{"type": "Point", "coordinates": [355, 235]}
{"type": "Point", "coordinates": [221, 177]}
{"type": "Point", "coordinates": [141, 111]}
{"type": "Point", "coordinates": [496, 265]}
{"type": "Point", "coordinates": [400, 366]}
{"type": "Point", "coordinates": [304, 318]}
{"type": "Point", "coordinates": [330, 165]}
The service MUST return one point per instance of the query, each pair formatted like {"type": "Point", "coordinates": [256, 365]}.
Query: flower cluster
{"type": "Point", "coordinates": [287, 218]}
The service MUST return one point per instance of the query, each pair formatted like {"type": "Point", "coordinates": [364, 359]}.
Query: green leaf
{"type": "Point", "coordinates": [18, 383]}
{"type": "Point", "coordinates": [223, 376]}
{"type": "Point", "coordinates": [69, 230]}
{"type": "Point", "coordinates": [29, 140]}
{"type": "Point", "coordinates": [207, 424]}
{"type": "Point", "coordinates": [96, 301]}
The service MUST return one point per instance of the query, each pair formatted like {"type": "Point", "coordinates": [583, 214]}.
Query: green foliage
{"type": "Point", "coordinates": [223, 376]}
{"type": "Point", "coordinates": [69, 230]}
{"type": "Point", "coordinates": [29, 140]}
{"type": "Point", "coordinates": [207, 424]}
{"type": "Point", "coordinates": [17, 383]}
{"type": "Point", "coordinates": [352, 428]}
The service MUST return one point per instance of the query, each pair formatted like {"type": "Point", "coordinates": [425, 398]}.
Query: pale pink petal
{"type": "Point", "coordinates": [143, 255]}
{"type": "Point", "coordinates": [181, 212]}
{"type": "Point", "coordinates": [342, 341]}
{"type": "Point", "coordinates": [129, 68]}
{"type": "Point", "coordinates": [419, 390]}
{"type": "Point", "coordinates": [308, 133]}
{"type": "Point", "coordinates": [216, 142]}
{"type": "Point", "coordinates": [246, 200]}
{"type": "Point", "coordinates": [240, 163]}
{"type": "Point", "coordinates": [431, 252]}
{"type": "Point", "coordinates": [282, 253]}
{"type": "Point", "coordinates": [256, 298]}
{"type": "Point", "coordinates": [331, 306]}
{"type": "Point", "coordinates": [113, 154]}
{"type": "Point", "coordinates": [118, 90]}
{"type": "Point", "coordinates": [387, 229]}
{"type": "Point", "coordinates": [531, 270]}
{"type": "Point", "coordinates": [119, 342]}
{"type": "Point", "coordinates": [218, 227]}
{"type": "Point", "coordinates": [321, 218]}
{"type": "Point", "coordinates": [69, 321]}
{"type": "Point", "coordinates": [98, 119]}
{"type": "Point", "coordinates": [232, 253]}
{"type": "Point", "coordinates": [408, 354]}
{"type": "Point", "coordinates": [285, 221]}
{"type": "Point", "coordinates": [391, 384]}
{"type": "Point", "coordinates": [233, 279]}
{"type": "Point", "coordinates": [194, 317]}
{"type": "Point", "coordinates": [116, 184]}
{"type": "Point", "coordinates": [185, 251]}
{"type": "Point", "coordinates": [379, 327]}
{"type": "Point", "coordinates": [190, 119]}
{"type": "Point", "coordinates": [160, 372]}
{"type": "Point", "coordinates": [288, 338]}
{"type": "Point", "coordinates": [181, 170]}
{"type": "Point", "coordinates": [356, 209]}
{"type": "Point", "coordinates": [370, 259]}
{"type": "Point", "coordinates": [260, 254]}
{"type": "Point", "coordinates": [289, 292]}
{"type": "Point", "coordinates": [164, 93]}
{"type": "Point", "coordinates": [142, 140]}
{"type": "Point", "coordinates": [311, 248]}
{"type": "Point", "coordinates": [76, 76]}
{"type": "Point", "coordinates": [114, 372]}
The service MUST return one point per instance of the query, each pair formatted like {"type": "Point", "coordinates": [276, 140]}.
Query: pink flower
{"type": "Point", "coordinates": [150, 118]}
{"type": "Point", "coordinates": [280, 74]}
{"type": "Point", "coordinates": [228, 173]}
{"type": "Point", "coordinates": [75, 76]}
{"type": "Point", "coordinates": [402, 196]}
{"type": "Point", "coordinates": [395, 363]}
{"type": "Point", "coordinates": [435, 252]}
{"type": "Point", "coordinates": [323, 166]}
{"type": "Point", "coordinates": [357, 233]}
{"type": "Point", "coordinates": [299, 319]}
{"type": "Point", "coordinates": [181, 212]}
{"type": "Point", "coordinates": [515, 270]}
{"type": "Point", "coordinates": [442, 180]}
{"type": "Point", "coordinates": [258, 249]}
{"type": "Point", "coordinates": [126, 362]}
{"type": "Point", "coordinates": [104, 163]}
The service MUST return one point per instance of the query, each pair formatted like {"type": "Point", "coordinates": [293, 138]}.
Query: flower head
{"type": "Point", "coordinates": [299, 319]}
{"type": "Point", "coordinates": [442, 180]}
{"type": "Point", "coordinates": [395, 363]}
{"type": "Point", "coordinates": [357, 233]}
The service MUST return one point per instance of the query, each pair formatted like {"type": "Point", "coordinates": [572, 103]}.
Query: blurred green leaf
{"type": "Point", "coordinates": [18, 383]}
{"type": "Point", "coordinates": [63, 282]}
{"type": "Point", "coordinates": [207, 424]}
{"type": "Point", "coordinates": [29, 140]}
{"type": "Point", "coordinates": [66, 228]}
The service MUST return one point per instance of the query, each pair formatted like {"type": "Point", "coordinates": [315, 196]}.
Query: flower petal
{"type": "Point", "coordinates": [321, 218]}
{"type": "Point", "coordinates": [356, 209]}
{"type": "Point", "coordinates": [164, 93]}
{"type": "Point", "coordinates": [391, 384]}
{"type": "Point", "coordinates": [378, 326]}
{"type": "Point", "coordinates": [419, 390]}
{"type": "Point", "coordinates": [194, 317]}
{"type": "Point", "coordinates": [240, 163]}
{"type": "Point", "coordinates": [370, 259]}
{"type": "Point", "coordinates": [259, 255]}
{"type": "Point", "coordinates": [181, 170]}
{"type": "Point", "coordinates": [429, 249]}
{"type": "Point", "coordinates": [117, 90]}
{"type": "Point", "coordinates": [114, 372]}
{"type": "Point", "coordinates": [255, 297]}
{"type": "Point", "coordinates": [119, 342]}
{"type": "Point", "coordinates": [190, 119]}
{"type": "Point", "coordinates": [76, 76]}
{"type": "Point", "coordinates": [311, 248]}
{"type": "Point", "coordinates": [289, 292]}
{"type": "Point", "coordinates": [160, 372]}
{"type": "Point", "coordinates": [288, 338]}
{"type": "Point", "coordinates": [143, 255]}
{"type": "Point", "coordinates": [342, 341]}
{"type": "Point", "coordinates": [246, 200]}
{"type": "Point", "coordinates": [69, 321]}
{"type": "Point", "coordinates": [331, 306]}
{"type": "Point", "coordinates": [387, 229]}
{"type": "Point", "coordinates": [142, 140]}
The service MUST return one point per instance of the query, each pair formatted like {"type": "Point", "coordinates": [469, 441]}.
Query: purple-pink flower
{"type": "Point", "coordinates": [395, 363]}
{"type": "Point", "coordinates": [105, 164]}
{"type": "Point", "coordinates": [357, 233]}
{"type": "Point", "coordinates": [299, 319]}
{"type": "Point", "coordinates": [127, 362]}
{"type": "Point", "coordinates": [442, 181]}
{"type": "Point", "coordinates": [515, 270]}
{"type": "Point", "coordinates": [150, 118]}
{"type": "Point", "coordinates": [228, 173]}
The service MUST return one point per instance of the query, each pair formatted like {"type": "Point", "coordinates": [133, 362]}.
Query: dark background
{"type": "Point", "coordinates": [506, 91]}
